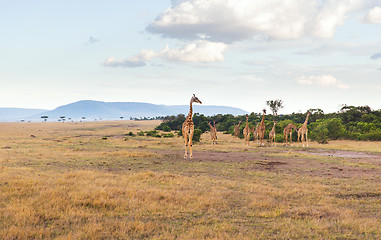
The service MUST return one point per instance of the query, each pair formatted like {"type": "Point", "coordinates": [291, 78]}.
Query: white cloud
{"type": "Point", "coordinates": [113, 62]}
{"type": "Point", "coordinates": [228, 21]}
{"type": "Point", "coordinates": [322, 81]}
{"type": "Point", "coordinates": [374, 15]}
{"type": "Point", "coordinates": [196, 51]}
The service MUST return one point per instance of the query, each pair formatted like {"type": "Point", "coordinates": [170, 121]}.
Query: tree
{"type": "Point", "coordinates": [63, 118]}
{"type": "Point", "coordinates": [275, 105]}
{"type": "Point", "coordinates": [45, 118]}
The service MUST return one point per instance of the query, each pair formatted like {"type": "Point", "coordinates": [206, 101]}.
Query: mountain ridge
{"type": "Point", "coordinates": [99, 110]}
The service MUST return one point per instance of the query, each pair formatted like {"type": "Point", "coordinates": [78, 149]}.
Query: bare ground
{"type": "Point", "coordinates": [313, 162]}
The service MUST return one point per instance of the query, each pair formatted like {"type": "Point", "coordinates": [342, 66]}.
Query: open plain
{"type": "Point", "coordinates": [92, 180]}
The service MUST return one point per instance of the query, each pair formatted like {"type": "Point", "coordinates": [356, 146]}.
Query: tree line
{"type": "Point", "coordinates": [351, 122]}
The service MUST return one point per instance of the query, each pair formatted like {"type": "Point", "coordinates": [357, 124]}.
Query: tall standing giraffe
{"type": "Point", "coordinates": [188, 127]}
{"type": "Point", "coordinates": [303, 131]}
{"type": "Point", "coordinates": [272, 135]}
{"type": "Point", "coordinates": [213, 132]}
{"type": "Point", "coordinates": [262, 128]}
{"type": "Point", "coordinates": [236, 129]}
{"type": "Point", "coordinates": [246, 131]}
{"type": "Point", "coordinates": [288, 130]}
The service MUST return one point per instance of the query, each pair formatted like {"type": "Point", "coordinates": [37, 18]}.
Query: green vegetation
{"type": "Point", "coordinates": [350, 123]}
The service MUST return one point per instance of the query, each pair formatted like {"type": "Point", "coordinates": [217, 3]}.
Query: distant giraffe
{"type": "Point", "coordinates": [236, 129]}
{"type": "Point", "coordinates": [272, 135]}
{"type": "Point", "coordinates": [255, 133]}
{"type": "Point", "coordinates": [188, 127]}
{"type": "Point", "coordinates": [246, 131]}
{"type": "Point", "coordinates": [213, 132]}
{"type": "Point", "coordinates": [262, 128]}
{"type": "Point", "coordinates": [288, 130]}
{"type": "Point", "coordinates": [303, 131]}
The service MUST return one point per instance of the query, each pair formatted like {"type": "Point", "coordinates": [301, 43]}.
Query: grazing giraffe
{"type": "Point", "coordinates": [213, 132]}
{"type": "Point", "coordinates": [272, 135]}
{"type": "Point", "coordinates": [246, 131]}
{"type": "Point", "coordinates": [262, 128]}
{"type": "Point", "coordinates": [303, 131]}
{"type": "Point", "coordinates": [188, 127]}
{"type": "Point", "coordinates": [236, 129]}
{"type": "Point", "coordinates": [288, 130]}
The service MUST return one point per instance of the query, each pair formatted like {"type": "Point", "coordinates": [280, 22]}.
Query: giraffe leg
{"type": "Point", "coordinates": [185, 135]}
{"type": "Point", "coordinates": [190, 144]}
{"type": "Point", "coordinates": [186, 145]}
{"type": "Point", "coordinates": [306, 139]}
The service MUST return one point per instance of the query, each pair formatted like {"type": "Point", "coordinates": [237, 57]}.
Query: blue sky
{"type": "Point", "coordinates": [309, 53]}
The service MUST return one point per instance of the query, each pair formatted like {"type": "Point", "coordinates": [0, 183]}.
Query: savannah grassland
{"type": "Point", "coordinates": [90, 181]}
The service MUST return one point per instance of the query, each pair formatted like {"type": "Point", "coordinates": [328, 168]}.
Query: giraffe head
{"type": "Point", "coordinates": [264, 111]}
{"type": "Point", "coordinates": [195, 99]}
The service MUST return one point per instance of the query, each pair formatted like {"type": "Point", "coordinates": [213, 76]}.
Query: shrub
{"type": "Point", "coordinates": [153, 133]}
{"type": "Point", "coordinates": [166, 128]}
{"type": "Point", "coordinates": [131, 134]}
{"type": "Point", "coordinates": [197, 135]}
{"type": "Point", "coordinates": [141, 133]}
{"type": "Point", "coordinates": [321, 134]}
{"type": "Point", "coordinates": [168, 135]}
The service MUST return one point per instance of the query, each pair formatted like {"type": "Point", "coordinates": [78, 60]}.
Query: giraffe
{"type": "Point", "coordinates": [288, 130]}
{"type": "Point", "coordinates": [272, 135]}
{"type": "Point", "coordinates": [236, 129]}
{"type": "Point", "coordinates": [302, 132]}
{"type": "Point", "coordinates": [188, 127]}
{"type": "Point", "coordinates": [246, 131]}
{"type": "Point", "coordinates": [213, 132]}
{"type": "Point", "coordinates": [255, 133]}
{"type": "Point", "coordinates": [262, 128]}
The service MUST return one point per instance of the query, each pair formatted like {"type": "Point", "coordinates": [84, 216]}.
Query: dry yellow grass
{"type": "Point", "coordinates": [66, 181]}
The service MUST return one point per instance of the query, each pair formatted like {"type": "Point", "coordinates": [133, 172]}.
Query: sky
{"type": "Point", "coordinates": [239, 53]}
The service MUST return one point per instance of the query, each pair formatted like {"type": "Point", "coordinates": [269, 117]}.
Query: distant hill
{"type": "Point", "coordinates": [18, 114]}
{"type": "Point", "coordinates": [92, 110]}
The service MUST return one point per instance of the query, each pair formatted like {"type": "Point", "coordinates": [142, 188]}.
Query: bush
{"type": "Point", "coordinates": [335, 128]}
{"type": "Point", "coordinates": [153, 133]}
{"type": "Point", "coordinates": [166, 128]}
{"type": "Point", "coordinates": [141, 133]}
{"type": "Point", "coordinates": [168, 135]}
{"type": "Point", "coordinates": [321, 134]}
{"type": "Point", "coordinates": [131, 134]}
{"type": "Point", "coordinates": [197, 135]}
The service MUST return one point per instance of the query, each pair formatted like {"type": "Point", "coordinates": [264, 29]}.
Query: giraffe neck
{"type": "Point", "coordinates": [190, 114]}
{"type": "Point", "coordinates": [306, 122]}
{"type": "Point", "coordinates": [263, 119]}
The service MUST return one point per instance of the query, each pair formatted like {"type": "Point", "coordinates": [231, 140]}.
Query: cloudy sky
{"type": "Point", "coordinates": [240, 53]}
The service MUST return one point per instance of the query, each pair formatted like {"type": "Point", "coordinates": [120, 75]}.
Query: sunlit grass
{"type": "Point", "coordinates": [91, 181]}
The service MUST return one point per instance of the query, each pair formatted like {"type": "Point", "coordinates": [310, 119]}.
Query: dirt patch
{"type": "Point", "coordinates": [343, 154]}
{"type": "Point", "coordinates": [360, 165]}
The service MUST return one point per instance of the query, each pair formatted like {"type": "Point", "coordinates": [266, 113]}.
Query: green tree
{"type": "Point", "coordinates": [275, 105]}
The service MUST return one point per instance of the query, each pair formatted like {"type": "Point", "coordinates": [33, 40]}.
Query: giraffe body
{"type": "Point", "coordinates": [246, 131]}
{"type": "Point", "coordinates": [255, 133]}
{"type": "Point", "coordinates": [236, 129]}
{"type": "Point", "coordinates": [272, 135]}
{"type": "Point", "coordinates": [262, 128]}
{"type": "Point", "coordinates": [213, 132]}
{"type": "Point", "coordinates": [188, 128]}
{"type": "Point", "coordinates": [288, 131]}
{"type": "Point", "coordinates": [303, 131]}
